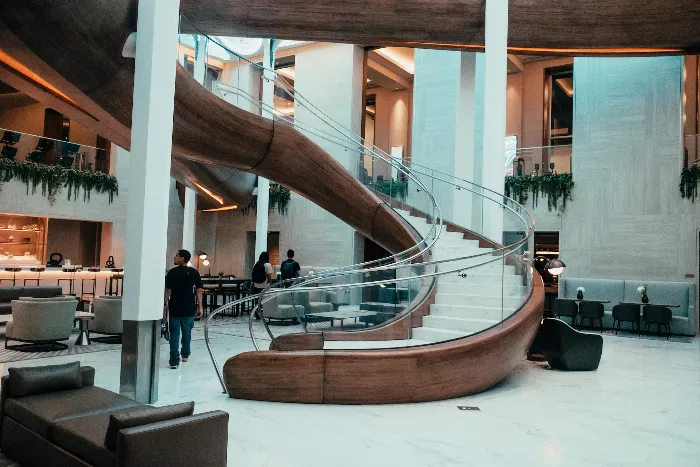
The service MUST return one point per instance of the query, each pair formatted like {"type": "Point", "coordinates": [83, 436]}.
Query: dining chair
{"type": "Point", "coordinates": [592, 311]}
{"type": "Point", "coordinates": [626, 312]}
{"type": "Point", "coordinates": [659, 315]}
{"type": "Point", "coordinates": [566, 307]}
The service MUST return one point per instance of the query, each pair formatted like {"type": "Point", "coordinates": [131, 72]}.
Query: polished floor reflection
{"type": "Point", "coordinates": [642, 407]}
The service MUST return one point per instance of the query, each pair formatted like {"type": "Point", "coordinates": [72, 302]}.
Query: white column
{"type": "Point", "coordinates": [268, 98]}
{"type": "Point", "coordinates": [445, 113]}
{"type": "Point", "coordinates": [190, 216]}
{"type": "Point", "coordinates": [149, 180]}
{"type": "Point", "coordinates": [200, 59]}
{"type": "Point", "coordinates": [496, 75]}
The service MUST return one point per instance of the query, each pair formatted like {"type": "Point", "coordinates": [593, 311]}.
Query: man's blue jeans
{"type": "Point", "coordinates": [180, 325]}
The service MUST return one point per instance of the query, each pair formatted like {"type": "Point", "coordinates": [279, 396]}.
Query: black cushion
{"type": "Point", "coordinates": [143, 415]}
{"type": "Point", "coordinates": [39, 411]}
{"type": "Point", "coordinates": [7, 294]}
{"type": "Point", "coordinates": [41, 291]}
{"type": "Point", "coordinates": [85, 436]}
{"type": "Point", "coordinates": [42, 379]}
{"type": "Point", "coordinates": [5, 308]}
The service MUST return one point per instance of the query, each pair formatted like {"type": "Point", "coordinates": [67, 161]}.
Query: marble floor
{"type": "Point", "coordinates": [642, 407]}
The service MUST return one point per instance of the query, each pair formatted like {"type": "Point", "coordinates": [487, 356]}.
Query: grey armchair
{"type": "Point", "coordinates": [40, 321]}
{"type": "Point", "coordinates": [313, 302]}
{"type": "Point", "coordinates": [108, 316]}
{"type": "Point", "coordinates": [281, 308]}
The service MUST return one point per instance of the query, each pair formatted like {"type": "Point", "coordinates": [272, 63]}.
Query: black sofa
{"type": "Point", "coordinates": [565, 348]}
{"type": "Point", "coordinates": [7, 294]}
{"type": "Point", "coordinates": [55, 416]}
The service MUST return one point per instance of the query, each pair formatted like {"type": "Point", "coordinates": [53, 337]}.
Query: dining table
{"type": "Point", "coordinates": [222, 286]}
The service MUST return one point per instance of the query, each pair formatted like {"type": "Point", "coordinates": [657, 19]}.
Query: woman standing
{"type": "Point", "coordinates": [262, 275]}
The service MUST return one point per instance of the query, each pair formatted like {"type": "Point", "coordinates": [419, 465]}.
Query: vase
{"type": "Point", "coordinates": [579, 295]}
{"type": "Point", "coordinates": [645, 299]}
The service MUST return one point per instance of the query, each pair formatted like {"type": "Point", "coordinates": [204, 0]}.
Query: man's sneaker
{"type": "Point", "coordinates": [173, 367]}
{"type": "Point", "coordinates": [184, 359]}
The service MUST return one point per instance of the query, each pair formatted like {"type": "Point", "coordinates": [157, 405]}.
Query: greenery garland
{"type": "Point", "coordinates": [279, 199]}
{"type": "Point", "coordinates": [556, 187]}
{"type": "Point", "coordinates": [689, 182]}
{"type": "Point", "coordinates": [53, 178]}
{"type": "Point", "coordinates": [392, 188]}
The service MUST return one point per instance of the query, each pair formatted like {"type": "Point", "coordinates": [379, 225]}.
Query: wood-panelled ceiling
{"type": "Point", "coordinates": [535, 26]}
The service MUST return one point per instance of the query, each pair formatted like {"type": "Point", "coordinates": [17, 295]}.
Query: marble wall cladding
{"type": "Point", "coordinates": [627, 219]}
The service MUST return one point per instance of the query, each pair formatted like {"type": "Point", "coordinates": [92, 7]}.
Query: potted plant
{"type": "Point", "coordinates": [579, 293]}
{"type": "Point", "coordinates": [642, 289]}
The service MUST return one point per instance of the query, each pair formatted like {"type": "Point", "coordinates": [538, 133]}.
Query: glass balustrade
{"type": "Point", "coordinates": [470, 267]}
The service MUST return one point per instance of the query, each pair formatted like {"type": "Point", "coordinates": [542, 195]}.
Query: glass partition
{"type": "Point", "coordinates": [18, 146]}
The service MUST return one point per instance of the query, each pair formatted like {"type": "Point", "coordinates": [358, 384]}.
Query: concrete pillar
{"type": "Point", "coordinates": [190, 218]}
{"type": "Point", "coordinates": [444, 128]}
{"type": "Point", "coordinates": [244, 81]}
{"type": "Point", "coordinates": [147, 214]}
{"type": "Point", "coordinates": [329, 76]}
{"type": "Point", "coordinates": [268, 98]}
{"type": "Point", "coordinates": [495, 77]}
{"type": "Point", "coordinates": [200, 59]}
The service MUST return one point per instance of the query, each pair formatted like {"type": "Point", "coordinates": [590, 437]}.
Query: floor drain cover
{"type": "Point", "coordinates": [467, 407]}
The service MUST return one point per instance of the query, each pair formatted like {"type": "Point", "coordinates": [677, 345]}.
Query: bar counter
{"type": "Point", "coordinates": [52, 275]}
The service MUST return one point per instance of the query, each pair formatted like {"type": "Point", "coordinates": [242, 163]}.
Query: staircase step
{"type": "Point", "coordinates": [470, 312]}
{"type": "Point", "coordinates": [437, 335]}
{"type": "Point", "coordinates": [450, 323]}
{"type": "Point", "coordinates": [478, 276]}
{"type": "Point", "coordinates": [440, 252]}
{"type": "Point", "coordinates": [472, 266]}
{"type": "Point", "coordinates": [356, 345]}
{"type": "Point", "coordinates": [510, 288]}
{"type": "Point", "coordinates": [477, 300]}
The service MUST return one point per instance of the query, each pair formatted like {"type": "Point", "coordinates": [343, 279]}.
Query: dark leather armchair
{"type": "Point", "coordinates": [659, 315]}
{"type": "Point", "coordinates": [625, 312]}
{"type": "Point", "coordinates": [567, 349]}
{"type": "Point", "coordinates": [566, 307]}
{"type": "Point", "coordinates": [592, 311]}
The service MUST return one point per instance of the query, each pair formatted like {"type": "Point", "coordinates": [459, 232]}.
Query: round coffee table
{"type": "Point", "coordinates": [84, 322]}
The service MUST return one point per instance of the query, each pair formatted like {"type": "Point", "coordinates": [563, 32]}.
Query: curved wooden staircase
{"type": "Point", "coordinates": [44, 54]}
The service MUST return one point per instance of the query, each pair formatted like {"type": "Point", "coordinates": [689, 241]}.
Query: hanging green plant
{"type": "Point", "coordinates": [557, 188]}
{"type": "Point", "coordinates": [279, 200]}
{"type": "Point", "coordinates": [394, 189]}
{"type": "Point", "coordinates": [689, 182]}
{"type": "Point", "coordinates": [53, 178]}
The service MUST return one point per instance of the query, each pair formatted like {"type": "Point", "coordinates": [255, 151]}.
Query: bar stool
{"type": "Point", "coordinates": [14, 272]}
{"type": "Point", "coordinates": [70, 280]}
{"type": "Point", "coordinates": [116, 283]}
{"type": "Point", "coordinates": [94, 283]}
{"type": "Point", "coordinates": [38, 270]}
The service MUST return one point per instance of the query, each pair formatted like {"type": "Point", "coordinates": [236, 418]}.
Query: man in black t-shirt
{"type": "Point", "coordinates": [182, 286]}
{"type": "Point", "coordinates": [289, 269]}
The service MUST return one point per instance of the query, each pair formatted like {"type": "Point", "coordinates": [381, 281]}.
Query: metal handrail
{"type": "Point", "coordinates": [357, 143]}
